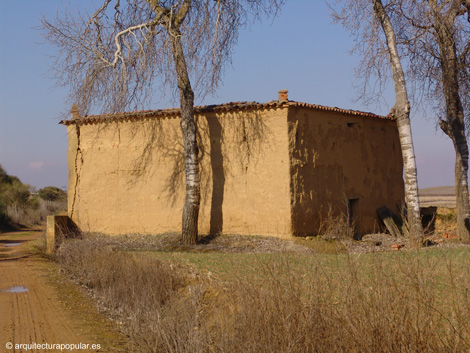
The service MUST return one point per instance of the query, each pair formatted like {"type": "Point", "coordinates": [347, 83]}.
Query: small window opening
{"type": "Point", "coordinates": [352, 124]}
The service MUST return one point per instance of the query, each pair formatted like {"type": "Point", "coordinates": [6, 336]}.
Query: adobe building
{"type": "Point", "coordinates": [273, 168]}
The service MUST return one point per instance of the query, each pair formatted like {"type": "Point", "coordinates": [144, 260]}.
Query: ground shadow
{"type": "Point", "coordinates": [208, 239]}
{"type": "Point", "coordinates": [6, 242]}
{"type": "Point", "coordinates": [428, 218]}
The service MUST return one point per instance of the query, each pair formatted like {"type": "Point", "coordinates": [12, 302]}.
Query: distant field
{"type": "Point", "coordinates": [440, 196]}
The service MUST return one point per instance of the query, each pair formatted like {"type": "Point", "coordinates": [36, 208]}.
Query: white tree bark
{"type": "Point", "coordinates": [401, 111]}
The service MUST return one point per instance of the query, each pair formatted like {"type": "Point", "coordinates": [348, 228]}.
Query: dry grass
{"type": "Point", "coordinates": [171, 242]}
{"type": "Point", "coordinates": [136, 291]}
{"type": "Point", "coordinates": [446, 220]}
{"type": "Point", "coordinates": [336, 227]}
{"type": "Point", "coordinates": [285, 302]}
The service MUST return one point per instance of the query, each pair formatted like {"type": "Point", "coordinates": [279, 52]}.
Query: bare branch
{"type": "Point", "coordinates": [100, 11]}
{"type": "Point", "coordinates": [444, 125]}
{"type": "Point", "coordinates": [411, 20]}
{"type": "Point", "coordinates": [117, 57]}
{"type": "Point", "coordinates": [182, 13]}
{"type": "Point", "coordinates": [117, 40]}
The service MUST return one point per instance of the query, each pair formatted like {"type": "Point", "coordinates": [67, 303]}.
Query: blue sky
{"type": "Point", "coordinates": [301, 50]}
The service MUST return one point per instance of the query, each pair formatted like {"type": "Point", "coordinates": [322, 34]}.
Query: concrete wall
{"type": "Point", "coordinates": [337, 157]}
{"type": "Point", "coordinates": [128, 176]}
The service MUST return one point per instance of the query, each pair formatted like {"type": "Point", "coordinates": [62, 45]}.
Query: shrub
{"type": "Point", "coordinates": [4, 219]}
{"type": "Point", "coordinates": [33, 215]}
{"type": "Point", "coordinates": [52, 193]}
{"type": "Point", "coordinates": [20, 206]}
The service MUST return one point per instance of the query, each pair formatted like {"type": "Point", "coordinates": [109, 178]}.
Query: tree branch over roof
{"type": "Point", "coordinates": [117, 56]}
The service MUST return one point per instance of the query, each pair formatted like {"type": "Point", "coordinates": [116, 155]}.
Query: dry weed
{"type": "Point", "coordinates": [31, 216]}
{"type": "Point", "coordinates": [417, 304]}
{"type": "Point", "coordinates": [336, 227]}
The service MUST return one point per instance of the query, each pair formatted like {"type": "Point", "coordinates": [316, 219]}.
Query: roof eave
{"type": "Point", "coordinates": [227, 107]}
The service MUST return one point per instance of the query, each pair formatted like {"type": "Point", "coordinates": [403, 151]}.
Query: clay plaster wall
{"type": "Point", "coordinates": [128, 176]}
{"type": "Point", "coordinates": [337, 157]}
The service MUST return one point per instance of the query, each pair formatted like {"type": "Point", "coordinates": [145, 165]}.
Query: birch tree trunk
{"type": "Point", "coordinates": [189, 130]}
{"type": "Point", "coordinates": [173, 22]}
{"type": "Point", "coordinates": [401, 111]}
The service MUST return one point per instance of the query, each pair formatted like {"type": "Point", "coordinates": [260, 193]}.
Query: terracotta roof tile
{"type": "Point", "coordinates": [232, 106]}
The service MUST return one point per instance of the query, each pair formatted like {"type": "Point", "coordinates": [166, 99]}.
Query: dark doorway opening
{"type": "Point", "coordinates": [352, 214]}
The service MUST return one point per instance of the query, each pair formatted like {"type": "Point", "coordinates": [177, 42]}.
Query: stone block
{"type": "Point", "coordinates": [58, 228]}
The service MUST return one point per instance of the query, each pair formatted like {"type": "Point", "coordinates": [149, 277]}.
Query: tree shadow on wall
{"type": "Point", "coordinates": [162, 145]}
{"type": "Point", "coordinates": [232, 142]}
{"type": "Point", "coordinates": [218, 177]}
{"type": "Point", "coordinates": [237, 142]}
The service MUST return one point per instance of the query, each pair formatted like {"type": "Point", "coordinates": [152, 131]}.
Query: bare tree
{"type": "Point", "coordinates": [365, 18]}
{"type": "Point", "coordinates": [113, 59]}
{"type": "Point", "coordinates": [444, 31]}
{"type": "Point", "coordinates": [436, 37]}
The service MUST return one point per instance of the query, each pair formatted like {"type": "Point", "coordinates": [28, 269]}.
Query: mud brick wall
{"type": "Point", "coordinates": [266, 169]}
{"type": "Point", "coordinates": [128, 176]}
{"type": "Point", "coordinates": [348, 164]}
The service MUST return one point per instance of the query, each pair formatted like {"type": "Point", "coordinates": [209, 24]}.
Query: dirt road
{"type": "Point", "coordinates": [40, 311]}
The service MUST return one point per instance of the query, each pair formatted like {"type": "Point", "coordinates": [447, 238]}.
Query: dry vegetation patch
{"type": "Point", "coordinates": [226, 300]}
{"type": "Point", "coordinates": [171, 242]}
{"type": "Point", "coordinates": [446, 221]}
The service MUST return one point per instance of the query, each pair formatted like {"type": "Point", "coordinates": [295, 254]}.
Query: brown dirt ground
{"type": "Point", "coordinates": [53, 310]}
